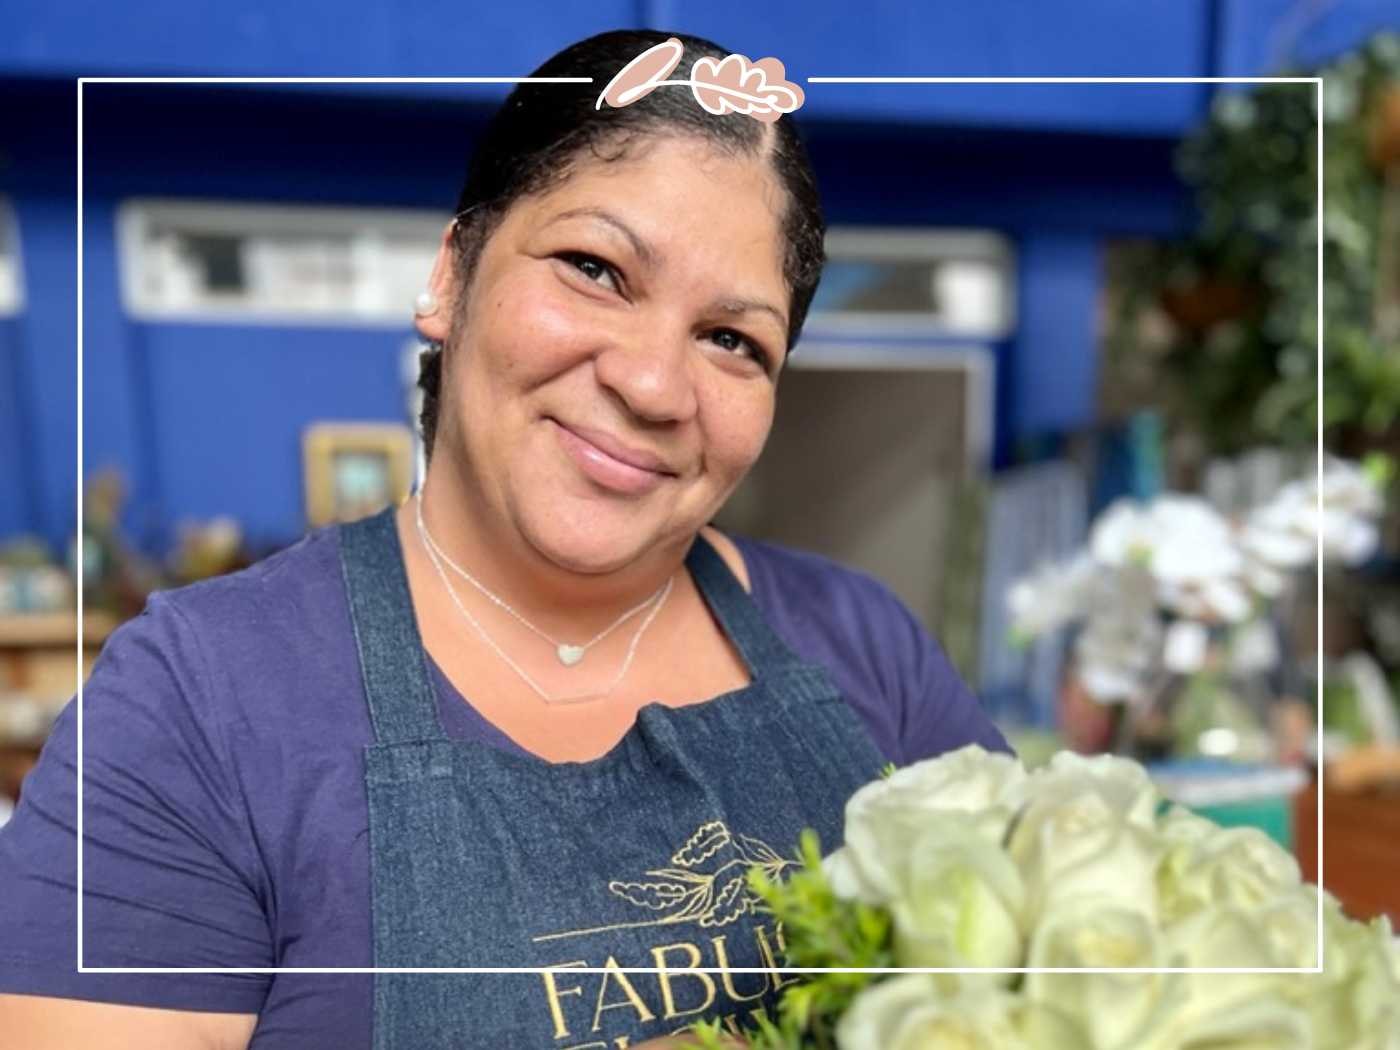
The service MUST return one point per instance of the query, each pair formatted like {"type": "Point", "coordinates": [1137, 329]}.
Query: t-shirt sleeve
{"type": "Point", "coordinates": [892, 672]}
{"type": "Point", "coordinates": [931, 707]}
{"type": "Point", "coordinates": [171, 873]}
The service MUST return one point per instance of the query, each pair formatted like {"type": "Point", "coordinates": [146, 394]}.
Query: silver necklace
{"type": "Point", "coordinates": [569, 655]}
{"type": "Point", "coordinates": [546, 697]}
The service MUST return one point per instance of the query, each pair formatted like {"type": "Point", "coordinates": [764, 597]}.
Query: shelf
{"type": "Point", "coordinates": [28, 630]}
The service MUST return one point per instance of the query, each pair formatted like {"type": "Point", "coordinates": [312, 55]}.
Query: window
{"type": "Point", "coordinates": [956, 283]}
{"type": "Point", "coordinates": [11, 269]}
{"type": "Point", "coordinates": [297, 264]}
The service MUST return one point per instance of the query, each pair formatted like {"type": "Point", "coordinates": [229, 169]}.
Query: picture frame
{"type": "Point", "coordinates": [353, 470]}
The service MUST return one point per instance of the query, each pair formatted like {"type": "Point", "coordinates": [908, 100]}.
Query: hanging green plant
{"type": "Point", "coordinates": [1240, 293]}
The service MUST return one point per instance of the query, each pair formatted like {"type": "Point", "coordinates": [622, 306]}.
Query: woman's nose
{"type": "Point", "coordinates": [651, 372]}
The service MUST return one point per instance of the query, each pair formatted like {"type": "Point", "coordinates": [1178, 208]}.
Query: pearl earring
{"type": "Point", "coordinates": [425, 304]}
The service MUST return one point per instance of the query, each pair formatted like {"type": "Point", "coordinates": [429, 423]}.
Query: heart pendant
{"type": "Point", "coordinates": [570, 654]}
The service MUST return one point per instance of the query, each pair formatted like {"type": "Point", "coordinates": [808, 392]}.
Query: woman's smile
{"type": "Point", "coordinates": [610, 469]}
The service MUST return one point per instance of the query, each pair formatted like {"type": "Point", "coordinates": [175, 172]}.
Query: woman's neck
{"type": "Point", "coordinates": [562, 602]}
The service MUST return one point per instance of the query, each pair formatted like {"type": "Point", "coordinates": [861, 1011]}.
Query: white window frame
{"type": "Point", "coordinates": [11, 262]}
{"type": "Point", "coordinates": [917, 244]}
{"type": "Point", "coordinates": [360, 227]}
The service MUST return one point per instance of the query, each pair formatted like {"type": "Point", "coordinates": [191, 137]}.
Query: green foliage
{"type": "Point", "coordinates": [1241, 290]}
{"type": "Point", "coordinates": [820, 930]}
{"type": "Point", "coordinates": [1342, 713]}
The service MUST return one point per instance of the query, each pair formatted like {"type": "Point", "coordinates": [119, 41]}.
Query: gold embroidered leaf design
{"type": "Point", "coordinates": [713, 897]}
{"type": "Point", "coordinates": [655, 895]}
{"type": "Point", "coordinates": [694, 878]}
{"type": "Point", "coordinates": [642, 75]}
{"type": "Point", "coordinates": [732, 901]}
{"type": "Point", "coordinates": [697, 904]}
{"type": "Point", "coordinates": [707, 840]}
{"type": "Point", "coordinates": [735, 85]}
{"type": "Point", "coordinates": [757, 852]}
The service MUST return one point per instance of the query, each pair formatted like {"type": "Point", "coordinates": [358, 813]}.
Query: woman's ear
{"type": "Point", "coordinates": [432, 314]}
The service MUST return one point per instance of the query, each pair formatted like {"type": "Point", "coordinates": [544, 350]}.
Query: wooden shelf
{"type": "Point", "coordinates": [39, 671]}
{"type": "Point", "coordinates": [28, 630]}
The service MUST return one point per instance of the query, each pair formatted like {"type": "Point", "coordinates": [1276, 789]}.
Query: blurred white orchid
{"type": "Point", "coordinates": [1187, 546]}
{"type": "Point", "coordinates": [1053, 596]}
{"type": "Point", "coordinates": [1284, 532]}
{"type": "Point", "coordinates": [1153, 578]}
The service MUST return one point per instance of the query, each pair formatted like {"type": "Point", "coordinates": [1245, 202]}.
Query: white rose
{"type": "Point", "coordinates": [961, 902]}
{"type": "Point", "coordinates": [1269, 1022]}
{"type": "Point", "coordinates": [1115, 1009]}
{"type": "Point", "coordinates": [1241, 866]}
{"type": "Point", "coordinates": [1291, 923]}
{"type": "Point", "coordinates": [1158, 1011]}
{"type": "Point", "coordinates": [908, 1013]}
{"type": "Point", "coordinates": [885, 817]}
{"type": "Point", "coordinates": [1222, 935]}
{"type": "Point", "coordinates": [1356, 1003]}
{"type": "Point", "coordinates": [1235, 1010]}
{"type": "Point", "coordinates": [1089, 831]}
{"type": "Point", "coordinates": [1181, 825]}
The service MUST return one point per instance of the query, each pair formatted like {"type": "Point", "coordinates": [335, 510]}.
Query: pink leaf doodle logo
{"type": "Point", "coordinates": [732, 85]}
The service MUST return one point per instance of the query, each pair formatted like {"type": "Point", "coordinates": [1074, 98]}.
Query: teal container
{"type": "Point", "coordinates": [1233, 794]}
{"type": "Point", "coordinates": [1273, 816]}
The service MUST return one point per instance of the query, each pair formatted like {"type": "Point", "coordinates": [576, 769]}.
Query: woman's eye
{"type": "Point", "coordinates": [732, 340]}
{"type": "Point", "coordinates": [590, 266]}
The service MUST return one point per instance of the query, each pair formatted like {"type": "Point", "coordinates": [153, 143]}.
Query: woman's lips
{"type": "Point", "coordinates": [607, 471]}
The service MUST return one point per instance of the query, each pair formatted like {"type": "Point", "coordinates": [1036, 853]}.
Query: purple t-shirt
{"type": "Point", "coordinates": [225, 816]}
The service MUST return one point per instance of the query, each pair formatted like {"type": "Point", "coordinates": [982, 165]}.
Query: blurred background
{"type": "Point", "coordinates": [1058, 388]}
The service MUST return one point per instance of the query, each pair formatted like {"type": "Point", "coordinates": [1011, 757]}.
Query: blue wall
{"type": "Point", "coordinates": [205, 419]}
{"type": "Point", "coordinates": [38, 174]}
{"type": "Point", "coordinates": [448, 38]}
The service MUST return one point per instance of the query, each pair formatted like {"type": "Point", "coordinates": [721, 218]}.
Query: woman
{"type": "Point", "coordinates": [541, 715]}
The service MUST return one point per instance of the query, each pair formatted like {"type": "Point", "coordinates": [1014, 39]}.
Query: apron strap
{"type": "Point", "coordinates": [737, 612]}
{"type": "Point", "coordinates": [393, 664]}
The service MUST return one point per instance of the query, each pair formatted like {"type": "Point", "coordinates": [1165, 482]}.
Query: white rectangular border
{"type": "Point", "coordinates": [1320, 111]}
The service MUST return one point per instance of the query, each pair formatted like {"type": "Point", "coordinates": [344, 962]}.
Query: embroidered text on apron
{"type": "Point", "coordinates": [483, 857]}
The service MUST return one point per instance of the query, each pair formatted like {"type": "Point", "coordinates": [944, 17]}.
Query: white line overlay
{"type": "Point", "coordinates": [83, 81]}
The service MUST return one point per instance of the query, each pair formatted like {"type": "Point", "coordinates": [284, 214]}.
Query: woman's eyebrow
{"type": "Point", "coordinates": [731, 305]}
{"type": "Point", "coordinates": [743, 306]}
{"type": "Point", "coordinates": [639, 246]}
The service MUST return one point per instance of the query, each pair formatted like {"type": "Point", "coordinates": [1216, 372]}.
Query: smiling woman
{"type": "Point", "coordinates": [540, 716]}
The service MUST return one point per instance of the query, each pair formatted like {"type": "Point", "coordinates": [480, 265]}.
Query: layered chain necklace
{"type": "Point", "coordinates": [569, 655]}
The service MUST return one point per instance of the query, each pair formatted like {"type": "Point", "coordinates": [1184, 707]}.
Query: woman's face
{"type": "Point", "coordinates": [639, 308]}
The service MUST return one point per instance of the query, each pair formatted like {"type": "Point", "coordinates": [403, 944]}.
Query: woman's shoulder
{"type": "Point", "coordinates": [829, 611]}
{"type": "Point", "coordinates": [290, 599]}
{"type": "Point", "coordinates": [889, 666]}
{"type": "Point", "coordinates": [793, 576]}
{"type": "Point", "coordinates": [301, 571]}
{"type": "Point", "coordinates": [256, 646]}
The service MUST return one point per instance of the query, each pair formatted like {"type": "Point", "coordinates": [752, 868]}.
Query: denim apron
{"type": "Point", "coordinates": [484, 857]}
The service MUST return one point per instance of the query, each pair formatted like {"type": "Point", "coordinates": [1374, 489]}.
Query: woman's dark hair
{"type": "Point", "coordinates": [536, 139]}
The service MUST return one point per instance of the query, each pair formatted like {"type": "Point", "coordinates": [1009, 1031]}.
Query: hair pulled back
{"type": "Point", "coordinates": [542, 132]}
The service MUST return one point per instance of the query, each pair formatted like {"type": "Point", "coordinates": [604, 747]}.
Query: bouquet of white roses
{"type": "Point", "coordinates": [968, 861]}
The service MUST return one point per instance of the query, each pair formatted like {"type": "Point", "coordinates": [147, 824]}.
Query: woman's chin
{"type": "Point", "coordinates": [594, 544]}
